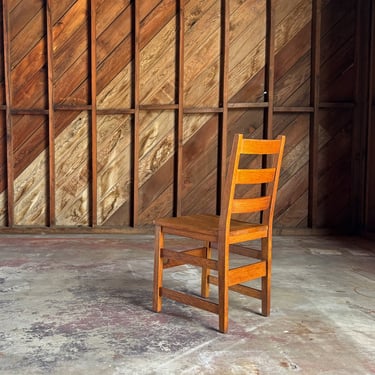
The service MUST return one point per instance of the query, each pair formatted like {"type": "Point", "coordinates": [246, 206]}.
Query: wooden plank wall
{"type": "Point", "coordinates": [114, 113]}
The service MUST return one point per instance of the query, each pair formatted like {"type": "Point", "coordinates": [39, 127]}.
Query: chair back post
{"type": "Point", "coordinates": [268, 215]}
{"type": "Point", "coordinates": [229, 185]}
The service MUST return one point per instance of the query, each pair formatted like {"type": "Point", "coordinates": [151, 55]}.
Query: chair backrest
{"type": "Point", "coordinates": [265, 177]}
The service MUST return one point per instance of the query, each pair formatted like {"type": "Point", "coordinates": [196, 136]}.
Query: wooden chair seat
{"type": "Point", "coordinates": [227, 234]}
{"type": "Point", "coordinates": [206, 227]}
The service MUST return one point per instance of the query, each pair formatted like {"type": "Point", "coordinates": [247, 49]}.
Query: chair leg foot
{"type": "Point", "coordinates": [266, 296]}
{"type": "Point", "coordinates": [223, 324]}
{"type": "Point", "coordinates": [156, 305]}
{"type": "Point", "coordinates": [266, 311]}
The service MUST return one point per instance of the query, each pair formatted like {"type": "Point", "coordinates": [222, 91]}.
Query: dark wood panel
{"type": "Point", "coordinates": [338, 51]}
{"type": "Point", "coordinates": [200, 173]}
{"type": "Point", "coordinates": [26, 28]}
{"type": "Point", "coordinates": [334, 159]}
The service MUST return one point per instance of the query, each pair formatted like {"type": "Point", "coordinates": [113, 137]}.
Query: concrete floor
{"type": "Point", "coordinates": [82, 305]}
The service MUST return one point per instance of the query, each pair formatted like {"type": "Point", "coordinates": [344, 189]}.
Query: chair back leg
{"type": "Point", "coordinates": [266, 245]}
{"type": "Point", "coordinates": [158, 269]}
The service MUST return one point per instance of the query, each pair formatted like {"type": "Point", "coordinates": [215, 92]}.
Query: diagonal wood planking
{"type": "Point", "coordinates": [157, 85]}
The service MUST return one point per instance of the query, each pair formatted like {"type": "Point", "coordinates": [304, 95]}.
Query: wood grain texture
{"type": "Point", "coordinates": [199, 142]}
{"type": "Point", "coordinates": [114, 167]}
{"type": "Point", "coordinates": [72, 171]}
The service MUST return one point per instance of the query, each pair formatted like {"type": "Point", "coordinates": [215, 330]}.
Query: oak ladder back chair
{"type": "Point", "coordinates": [227, 234]}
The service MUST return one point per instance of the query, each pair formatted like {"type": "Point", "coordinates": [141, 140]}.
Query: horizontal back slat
{"type": "Point", "coordinates": [255, 176]}
{"type": "Point", "coordinates": [260, 146]}
{"type": "Point", "coordinates": [247, 205]}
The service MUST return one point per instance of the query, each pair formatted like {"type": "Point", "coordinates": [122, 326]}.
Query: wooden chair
{"type": "Point", "coordinates": [227, 234]}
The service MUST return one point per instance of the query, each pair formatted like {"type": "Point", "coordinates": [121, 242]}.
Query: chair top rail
{"type": "Point", "coordinates": [260, 146]}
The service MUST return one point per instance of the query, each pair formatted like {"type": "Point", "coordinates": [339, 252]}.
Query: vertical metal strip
{"type": "Point", "coordinates": [136, 48]}
{"type": "Point", "coordinates": [314, 122]}
{"type": "Point", "coordinates": [269, 71]}
{"type": "Point", "coordinates": [362, 73]}
{"type": "Point", "coordinates": [180, 115]}
{"type": "Point", "coordinates": [94, 146]}
{"type": "Point", "coordinates": [223, 133]}
{"type": "Point", "coordinates": [51, 120]}
{"type": "Point", "coordinates": [8, 99]}
{"type": "Point", "coordinates": [370, 128]}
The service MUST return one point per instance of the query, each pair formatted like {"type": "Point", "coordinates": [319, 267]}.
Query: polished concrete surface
{"type": "Point", "coordinates": [80, 304]}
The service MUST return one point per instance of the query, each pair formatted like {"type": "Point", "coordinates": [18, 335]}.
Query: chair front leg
{"type": "Point", "coordinates": [158, 269]}
{"type": "Point", "coordinates": [223, 285]}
